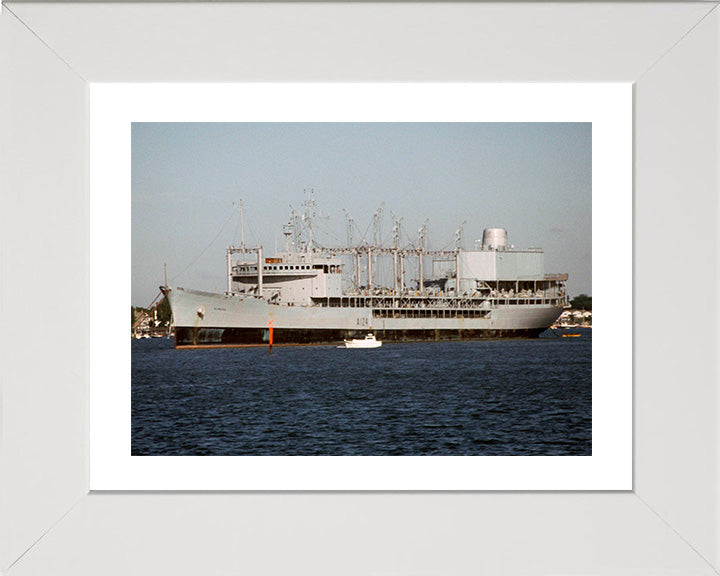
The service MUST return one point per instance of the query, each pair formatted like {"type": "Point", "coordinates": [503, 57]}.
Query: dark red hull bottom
{"type": "Point", "coordinates": [187, 337]}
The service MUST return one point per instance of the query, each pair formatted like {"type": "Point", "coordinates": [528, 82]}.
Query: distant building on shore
{"type": "Point", "coordinates": [574, 317]}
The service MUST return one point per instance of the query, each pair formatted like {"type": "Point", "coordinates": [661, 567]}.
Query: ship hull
{"type": "Point", "coordinates": [205, 319]}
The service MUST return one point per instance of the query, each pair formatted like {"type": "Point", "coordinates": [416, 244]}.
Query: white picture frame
{"type": "Point", "coordinates": [50, 523]}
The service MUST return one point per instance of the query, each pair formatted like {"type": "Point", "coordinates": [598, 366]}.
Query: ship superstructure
{"type": "Point", "coordinates": [306, 294]}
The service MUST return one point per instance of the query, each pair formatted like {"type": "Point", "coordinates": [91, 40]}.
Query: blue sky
{"type": "Point", "coordinates": [534, 179]}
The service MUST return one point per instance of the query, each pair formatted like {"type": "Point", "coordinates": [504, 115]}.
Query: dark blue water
{"type": "Point", "coordinates": [500, 397]}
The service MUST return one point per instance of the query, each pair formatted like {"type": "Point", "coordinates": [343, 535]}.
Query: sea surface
{"type": "Point", "coordinates": [496, 397]}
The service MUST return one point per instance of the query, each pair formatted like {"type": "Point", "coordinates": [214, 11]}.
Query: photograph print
{"type": "Point", "coordinates": [361, 289]}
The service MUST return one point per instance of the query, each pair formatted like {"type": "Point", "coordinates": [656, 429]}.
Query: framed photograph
{"type": "Point", "coordinates": [643, 498]}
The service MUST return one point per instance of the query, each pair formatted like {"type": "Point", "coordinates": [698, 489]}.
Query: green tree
{"type": "Point", "coordinates": [164, 314]}
{"type": "Point", "coordinates": [582, 302]}
{"type": "Point", "coordinates": [135, 312]}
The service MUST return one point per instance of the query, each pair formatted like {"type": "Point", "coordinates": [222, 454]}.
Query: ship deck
{"type": "Point", "coordinates": [404, 303]}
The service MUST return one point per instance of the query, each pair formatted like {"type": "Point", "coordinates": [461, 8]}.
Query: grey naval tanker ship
{"type": "Point", "coordinates": [302, 295]}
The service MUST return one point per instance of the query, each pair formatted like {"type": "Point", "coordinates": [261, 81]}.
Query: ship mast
{"type": "Point", "coordinates": [308, 216]}
{"type": "Point", "coordinates": [287, 232]}
{"type": "Point", "coordinates": [422, 233]}
{"type": "Point", "coordinates": [369, 267]}
{"type": "Point", "coordinates": [459, 241]}
{"type": "Point", "coordinates": [294, 225]}
{"type": "Point", "coordinates": [354, 250]}
{"type": "Point", "coordinates": [242, 226]}
{"type": "Point", "coordinates": [243, 249]}
{"type": "Point", "coordinates": [229, 270]}
{"type": "Point", "coordinates": [395, 252]}
{"type": "Point", "coordinates": [349, 228]}
{"type": "Point", "coordinates": [377, 221]}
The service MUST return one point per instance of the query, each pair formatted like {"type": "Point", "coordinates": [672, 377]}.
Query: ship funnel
{"type": "Point", "coordinates": [495, 239]}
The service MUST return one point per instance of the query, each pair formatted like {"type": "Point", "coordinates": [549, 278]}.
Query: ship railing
{"type": "Point", "coordinates": [436, 303]}
{"type": "Point", "coordinates": [440, 313]}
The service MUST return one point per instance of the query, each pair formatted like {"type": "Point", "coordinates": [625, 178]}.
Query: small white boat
{"type": "Point", "coordinates": [368, 342]}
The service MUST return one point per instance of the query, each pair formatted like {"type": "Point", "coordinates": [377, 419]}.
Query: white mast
{"type": "Point", "coordinates": [349, 228]}
{"type": "Point", "coordinates": [308, 216]}
{"type": "Point", "coordinates": [421, 241]}
{"type": "Point", "coordinates": [377, 222]}
{"type": "Point", "coordinates": [357, 268]}
{"type": "Point", "coordinates": [294, 227]}
{"type": "Point", "coordinates": [229, 269]}
{"type": "Point", "coordinates": [287, 231]}
{"type": "Point", "coordinates": [242, 226]}
{"type": "Point", "coordinates": [260, 263]}
{"type": "Point", "coordinates": [458, 248]}
{"type": "Point", "coordinates": [369, 269]}
{"type": "Point", "coordinates": [396, 248]}
{"type": "Point", "coordinates": [349, 223]}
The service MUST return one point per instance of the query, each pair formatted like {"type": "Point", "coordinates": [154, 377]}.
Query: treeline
{"type": "Point", "coordinates": [163, 312]}
{"type": "Point", "coordinates": [582, 302]}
